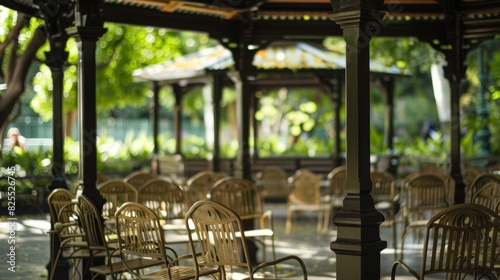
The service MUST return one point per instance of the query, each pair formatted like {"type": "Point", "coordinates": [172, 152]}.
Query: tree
{"type": "Point", "coordinates": [16, 57]}
{"type": "Point", "coordinates": [121, 50]}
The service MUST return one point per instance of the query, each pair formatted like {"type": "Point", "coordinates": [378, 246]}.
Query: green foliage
{"type": "Point", "coordinates": [377, 145]}
{"type": "Point", "coordinates": [120, 51]}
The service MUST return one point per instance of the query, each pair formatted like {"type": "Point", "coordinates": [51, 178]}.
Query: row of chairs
{"type": "Point", "coordinates": [427, 193]}
{"type": "Point", "coordinates": [218, 240]}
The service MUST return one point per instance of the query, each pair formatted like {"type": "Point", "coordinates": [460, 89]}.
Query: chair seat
{"type": "Point", "coordinates": [257, 233]}
{"type": "Point", "coordinates": [180, 272]}
{"type": "Point", "coordinates": [383, 205]}
{"type": "Point", "coordinates": [180, 227]}
{"type": "Point", "coordinates": [178, 238]}
{"type": "Point", "coordinates": [120, 267]}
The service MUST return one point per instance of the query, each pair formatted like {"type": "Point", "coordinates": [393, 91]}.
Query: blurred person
{"type": "Point", "coordinates": [16, 139]}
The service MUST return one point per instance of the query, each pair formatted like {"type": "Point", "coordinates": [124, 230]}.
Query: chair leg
{"type": "Point", "coordinates": [326, 224]}
{"type": "Point", "coordinates": [288, 223]}
{"type": "Point", "coordinates": [53, 265]}
{"type": "Point", "coordinates": [319, 226]}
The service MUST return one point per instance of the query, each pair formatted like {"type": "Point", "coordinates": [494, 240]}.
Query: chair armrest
{"type": "Point", "coordinates": [167, 248]}
{"type": "Point", "coordinates": [175, 261]}
{"type": "Point", "coordinates": [266, 220]}
{"type": "Point", "coordinates": [280, 260]}
{"type": "Point", "coordinates": [405, 266]}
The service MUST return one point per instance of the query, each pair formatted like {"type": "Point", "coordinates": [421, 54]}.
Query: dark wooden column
{"type": "Point", "coordinates": [333, 86]}
{"type": "Point", "coordinates": [253, 122]}
{"type": "Point", "coordinates": [177, 89]}
{"type": "Point", "coordinates": [387, 83]}
{"type": "Point", "coordinates": [243, 56]}
{"type": "Point", "coordinates": [454, 72]}
{"type": "Point", "coordinates": [243, 61]}
{"type": "Point", "coordinates": [56, 21]}
{"type": "Point", "coordinates": [337, 102]}
{"type": "Point", "coordinates": [217, 95]}
{"type": "Point", "coordinates": [87, 30]}
{"type": "Point", "coordinates": [155, 113]}
{"type": "Point", "coordinates": [358, 243]}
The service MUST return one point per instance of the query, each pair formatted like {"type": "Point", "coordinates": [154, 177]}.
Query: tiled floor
{"type": "Point", "coordinates": [32, 247]}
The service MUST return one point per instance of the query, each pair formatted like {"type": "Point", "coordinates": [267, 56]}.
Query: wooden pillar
{"type": "Point", "coordinates": [155, 113]}
{"type": "Point", "coordinates": [358, 244]}
{"type": "Point", "coordinates": [243, 56]}
{"type": "Point", "coordinates": [336, 96]}
{"type": "Point", "coordinates": [242, 166]}
{"type": "Point", "coordinates": [87, 30]}
{"type": "Point", "coordinates": [254, 106]}
{"type": "Point", "coordinates": [387, 83]}
{"type": "Point", "coordinates": [217, 92]}
{"type": "Point", "coordinates": [337, 92]}
{"type": "Point", "coordinates": [177, 89]}
{"type": "Point", "coordinates": [243, 61]}
{"type": "Point", "coordinates": [454, 72]}
{"type": "Point", "coordinates": [55, 22]}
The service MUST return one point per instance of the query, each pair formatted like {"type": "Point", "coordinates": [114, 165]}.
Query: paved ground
{"type": "Point", "coordinates": [32, 246]}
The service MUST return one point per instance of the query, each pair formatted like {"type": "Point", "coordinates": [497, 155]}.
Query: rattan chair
{"type": "Point", "coordinates": [169, 202]}
{"type": "Point", "coordinates": [139, 178]}
{"type": "Point", "coordinates": [101, 178]}
{"type": "Point", "coordinates": [140, 236]}
{"type": "Point", "coordinates": [469, 175]}
{"type": "Point", "coordinates": [488, 196]}
{"type": "Point", "coordinates": [335, 193]}
{"type": "Point", "coordinates": [425, 194]}
{"type": "Point", "coordinates": [481, 180]}
{"type": "Point", "coordinates": [386, 199]}
{"type": "Point", "coordinates": [199, 185]}
{"type": "Point", "coordinates": [221, 241]}
{"type": "Point", "coordinates": [305, 196]}
{"type": "Point", "coordinates": [101, 246]}
{"type": "Point", "coordinates": [64, 214]}
{"type": "Point", "coordinates": [116, 192]}
{"type": "Point", "coordinates": [461, 242]}
{"type": "Point", "coordinates": [272, 180]}
{"type": "Point", "coordinates": [245, 199]}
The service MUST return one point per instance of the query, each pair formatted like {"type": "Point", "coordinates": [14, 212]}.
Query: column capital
{"type": "Point", "coordinates": [86, 33]}
{"type": "Point", "coordinates": [353, 13]}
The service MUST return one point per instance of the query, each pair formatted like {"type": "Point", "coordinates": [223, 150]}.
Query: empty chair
{"type": "Point", "coordinates": [170, 166]}
{"type": "Point", "coordinates": [116, 192]}
{"type": "Point", "coordinates": [141, 237]}
{"type": "Point", "coordinates": [481, 180]}
{"type": "Point", "coordinates": [488, 196]}
{"type": "Point", "coordinates": [469, 175]}
{"type": "Point", "coordinates": [272, 180]}
{"type": "Point", "coordinates": [305, 196]}
{"type": "Point", "coordinates": [64, 214]}
{"type": "Point", "coordinates": [139, 178]}
{"type": "Point", "coordinates": [245, 199]}
{"type": "Point", "coordinates": [167, 199]}
{"type": "Point", "coordinates": [385, 198]}
{"type": "Point", "coordinates": [101, 178]}
{"type": "Point", "coordinates": [461, 242]}
{"type": "Point", "coordinates": [425, 194]}
{"type": "Point", "coordinates": [335, 192]}
{"type": "Point", "coordinates": [221, 241]}
{"type": "Point", "coordinates": [100, 246]}
{"type": "Point", "coordinates": [199, 185]}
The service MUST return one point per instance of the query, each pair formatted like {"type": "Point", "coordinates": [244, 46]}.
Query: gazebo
{"type": "Point", "coordinates": [281, 64]}
{"type": "Point", "coordinates": [453, 27]}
